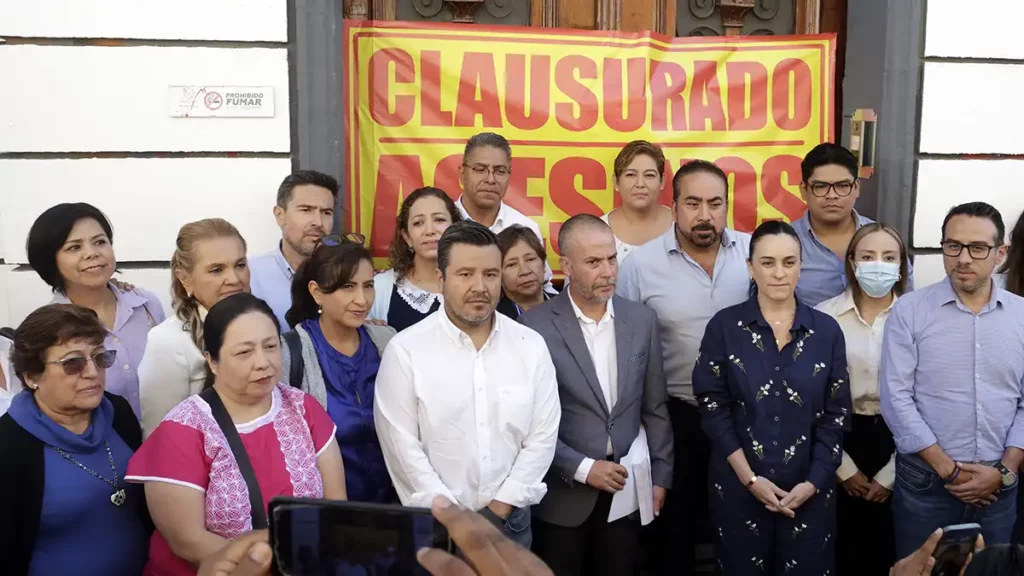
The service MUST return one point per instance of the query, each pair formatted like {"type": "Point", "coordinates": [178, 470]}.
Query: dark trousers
{"type": "Point", "coordinates": [866, 544]}
{"type": "Point", "coordinates": [595, 547]}
{"type": "Point", "coordinates": [669, 541]}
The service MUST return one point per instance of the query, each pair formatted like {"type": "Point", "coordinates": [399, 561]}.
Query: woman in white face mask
{"type": "Point", "coordinates": [876, 270]}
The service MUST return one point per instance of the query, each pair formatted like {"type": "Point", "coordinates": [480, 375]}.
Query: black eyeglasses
{"type": "Point", "coordinates": [76, 364]}
{"type": "Point", "coordinates": [333, 240]}
{"type": "Point", "coordinates": [501, 173]}
{"type": "Point", "coordinates": [842, 188]}
{"type": "Point", "coordinates": [977, 251]}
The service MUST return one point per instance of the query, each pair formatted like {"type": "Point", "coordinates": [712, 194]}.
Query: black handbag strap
{"type": "Point", "coordinates": [220, 414]}
{"type": "Point", "coordinates": [295, 369]}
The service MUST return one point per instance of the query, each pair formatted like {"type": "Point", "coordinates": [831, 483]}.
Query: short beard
{"type": "Point", "coordinates": [299, 248]}
{"type": "Point", "coordinates": [699, 242]}
{"type": "Point", "coordinates": [476, 320]}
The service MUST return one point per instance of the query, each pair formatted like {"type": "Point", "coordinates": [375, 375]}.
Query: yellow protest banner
{"type": "Point", "coordinates": [568, 101]}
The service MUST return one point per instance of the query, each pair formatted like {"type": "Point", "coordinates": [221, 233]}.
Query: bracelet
{"type": "Point", "coordinates": [956, 473]}
{"type": "Point", "coordinates": [751, 483]}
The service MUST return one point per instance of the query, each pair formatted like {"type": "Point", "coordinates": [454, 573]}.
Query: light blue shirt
{"type": "Point", "coordinates": [951, 377]}
{"type": "Point", "coordinates": [684, 297]}
{"type": "Point", "coordinates": [822, 273]}
{"type": "Point", "coordinates": [270, 279]}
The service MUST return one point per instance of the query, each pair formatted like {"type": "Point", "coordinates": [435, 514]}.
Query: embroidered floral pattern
{"type": "Point", "coordinates": [836, 452]}
{"type": "Point", "coordinates": [755, 445]}
{"type": "Point", "coordinates": [763, 391]}
{"type": "Point", "coordinates": [800, 344]}
{"type": "Point", "coordinates": [735, 360]}
{"type": "Point", "coordinates": [789, 565]}
{"type": "Point", "coordinates": [788, 454]}
{"type": "Point", "coordinates": [721, 493]}
{"type": "Point", "coordinates": [798, 529]}
{"type": "Point", "coordinates": [297, 445]}
{"type": "Point", "coordinates": [753, 527]}
{"type": "Point", "coordinates": [818, 368]}
{"type": "Point", "coordinates": [839, 421]}
{"type": "Point", "coordinates": [835, 387]}
{"type": "Point", "coordinates": [417, 298]}
{"type": "Point", "coordinates": [709, 405]}
{"type": "Point", "coordinates": [794, 396]}
{"type": "Point", "coordinates": [755, 338]}
{"type": "Point", "coordinates": [759, 562]}
{"type": "Point", "coordinates": [715, 368]}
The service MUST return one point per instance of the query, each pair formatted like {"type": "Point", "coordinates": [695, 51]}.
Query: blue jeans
{"type": "Point", "coordinates": [516, 526]}
{"type": "Point", "coordinates": [921, 503]}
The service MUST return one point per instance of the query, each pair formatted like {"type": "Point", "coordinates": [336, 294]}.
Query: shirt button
{"type": "Point", "coordinates": [776, 418]}
{"type": "Point", "coordinates": [127, 367]}
{"type": "Point", "coordinates": [774, 443]}
{"type": "Point", "coordinates": [776, 368]}
{"type": "Point", "coordinates": [116, 340]}
{"type": "Point", "coordinates": [976, 375]}
{"type": "Point", "coordinates": [978, 346]}
{"type": "Point", "coordinates": [771, 471]}
{"type": "Point", "coordinates": [776, 393]}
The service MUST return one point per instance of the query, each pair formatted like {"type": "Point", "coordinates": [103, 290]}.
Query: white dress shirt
{"type": "Point", "coordinates": [507, 216]}
{"type": "Point", "coordinates": [600, 339]}
{"type": "Point", "coordinates": [863, 356]}
{"type": "Point", "coordinates": [471, 425]}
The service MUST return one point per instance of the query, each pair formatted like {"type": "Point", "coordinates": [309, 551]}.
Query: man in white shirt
{"type": "Point", "coordinates": [466, 403]}
{"type": "Point", "coordinates": [484, 174]}
{"type": "Point", "coordinates": [607, 355]}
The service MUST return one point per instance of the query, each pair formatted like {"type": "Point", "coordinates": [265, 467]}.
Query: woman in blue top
{"type": "Point", "coordinates": [771, 382]}
{"type": "Point", "coordinates": [332, 293]}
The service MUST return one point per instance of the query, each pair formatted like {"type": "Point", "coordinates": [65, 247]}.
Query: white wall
{"type": "Point", "coordinates": [67, 104]}
{"type": "Point", "coordinates": [969, 118]}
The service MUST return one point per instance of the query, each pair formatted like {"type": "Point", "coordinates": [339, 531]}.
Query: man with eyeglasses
{"type": "Point", "coordinates": [305, 213]}
{"type": "Point", "coordinates": [484, 174]}
{"type": "Point", "coordinates": [830, 189]}
{"type": "Point", "coordinates": [950, 381]}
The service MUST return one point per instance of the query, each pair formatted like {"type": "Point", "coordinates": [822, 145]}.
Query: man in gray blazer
{"type": "Point", "coordinates": [607, 355]}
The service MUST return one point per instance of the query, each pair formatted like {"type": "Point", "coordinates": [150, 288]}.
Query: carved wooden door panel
{"type": "Point", "coordinates": [748, 18]}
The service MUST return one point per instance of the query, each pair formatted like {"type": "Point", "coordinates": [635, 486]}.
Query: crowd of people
{"type": "Point", "coordinates": [786, 395]}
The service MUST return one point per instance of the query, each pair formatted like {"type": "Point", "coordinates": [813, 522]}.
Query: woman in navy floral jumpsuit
{"type": "Point", "coordinates": [772, 384]}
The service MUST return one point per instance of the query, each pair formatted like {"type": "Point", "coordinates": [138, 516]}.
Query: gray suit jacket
{"type": "Point", "coordinates": [586, 421]}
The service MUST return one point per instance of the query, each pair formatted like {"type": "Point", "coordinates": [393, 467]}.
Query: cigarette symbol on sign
{"type": "Point", "coordinates": [213, 100]}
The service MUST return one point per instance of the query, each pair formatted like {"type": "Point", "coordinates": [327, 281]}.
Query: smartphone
{"type": "Point", "coordinates": [956, 544]}
{"type": "Point", "coordinates": [314, 537]}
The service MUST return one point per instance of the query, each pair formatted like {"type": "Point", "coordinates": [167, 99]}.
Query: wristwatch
{"type": "Point", "coordinates": [1009, 476]}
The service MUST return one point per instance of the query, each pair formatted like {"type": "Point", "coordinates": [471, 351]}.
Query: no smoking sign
{"type": "Point", "coordinates": [213, 100]}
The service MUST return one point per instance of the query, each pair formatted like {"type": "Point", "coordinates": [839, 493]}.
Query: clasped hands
{"type": "Point", "coordinates": [777, 500]}
{"type": "Point", "coordinates": [976, 484]}
{"type": "Point", "coordinates": [858, 486]}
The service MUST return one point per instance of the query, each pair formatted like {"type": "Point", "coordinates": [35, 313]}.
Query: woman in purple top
{"type": "Point", "coordinates": [70, 246]}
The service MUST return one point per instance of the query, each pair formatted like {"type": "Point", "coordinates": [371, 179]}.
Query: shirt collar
{"type": "Point", "coordinates": [948, 294]}
{"type": "Point", "coordinates": [282, 262]}
{"type": "Point", "coordinates": [499, 220]}
{"type": "Point", "coordinates": [751, 314]}
{"type": "Point", "coordinates": [609, 312]}
{"type": "Point", "coordinates": [127, 302]}
{"type": "Point", "coordinates": [460, 338]}
{"type": "Point", "coordinates": [845, 303]}
{"type": "Point", "coordinates": [803, 224]}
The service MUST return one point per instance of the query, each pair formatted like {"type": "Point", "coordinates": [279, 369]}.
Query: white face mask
{"type": "Point", "coordinates": [876, 278]}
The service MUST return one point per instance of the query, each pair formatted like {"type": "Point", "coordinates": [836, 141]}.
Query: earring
{"type": "Point", "coordinates": [411, 251]}
{"type": "Point", "coordinates": [319, 309]}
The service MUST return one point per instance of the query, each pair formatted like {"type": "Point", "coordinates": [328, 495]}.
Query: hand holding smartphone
{"type": "Point", "coordinates": [956, 545]}
{"type": "Point", "coordinates": [314, 537]}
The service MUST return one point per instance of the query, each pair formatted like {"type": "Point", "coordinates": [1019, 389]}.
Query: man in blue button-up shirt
{"type": "Point", "coordinates": [305, 213]}
{"type": "Point", "coordinates": [830, 189]}
{"type": "Point", "coordinates": [950, 380]}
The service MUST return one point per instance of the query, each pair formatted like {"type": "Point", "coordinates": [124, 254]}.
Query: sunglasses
{"type": "Point", "coordinates": [76, 364]}
{"type": "Point", "coordinates": [332, 240]}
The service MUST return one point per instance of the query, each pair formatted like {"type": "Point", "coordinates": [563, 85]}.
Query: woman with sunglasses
{"type": "Point", "coordinates": [65, 445]}
{"type": "Point", "coordinates": [70, 246]}
{"type": "Point", "coordinates": [409, 291]}
{"type": "Point", "coordinates": [333, 355]}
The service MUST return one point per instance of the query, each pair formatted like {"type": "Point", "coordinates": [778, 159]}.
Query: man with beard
{"type": "Point", "coordinates": [485, 173]}
{"type": "Point", "coordinates": [305, 213]}
{"type": "Point", "coordinates": [686, 276]}
{"type": "Point", "coordinates": [607, 357]}
{"type": "Point", "coordinates": [950, 383]}
{"type": "Point", "coordinates": [466, 402]}
{"type": "Point", "coordinates": [830, 188]}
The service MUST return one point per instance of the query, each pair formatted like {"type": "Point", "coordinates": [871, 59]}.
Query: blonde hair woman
{"type": "Point", "coordinates": [208, 265]}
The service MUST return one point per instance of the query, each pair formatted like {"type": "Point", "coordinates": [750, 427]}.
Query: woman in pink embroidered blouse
{"type": "Point", "coordinates": [195, 491]}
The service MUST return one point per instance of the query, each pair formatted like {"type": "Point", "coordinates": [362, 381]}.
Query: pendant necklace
{"type": "Point", "coordinates": [119, 495]}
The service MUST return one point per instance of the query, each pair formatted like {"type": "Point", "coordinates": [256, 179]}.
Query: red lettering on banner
{"type": "Point", "coordinates": [742, 75]}
{"type": "Point", "coordinates": [446, 175]}
{"type": "Point", "coordinates": [668, 81]}
{"type": "Point", "coordinates": [380, 87]}
{"type": "Point", "coordinates": [397, 177]}
{"type": "Point", "coordinates": [524, 170]}
{"type": "Point", "coordinates": [774, 190]}
{"type": "Point", "coordinates": [706, 97]}
{"type": "Point", "coordinates": [635, 97]}
{"type": "Point", "coordinates": [430, 91]}
{"type": "Point", "coordinates": [515, 91]}
{"type": "Point", "coordinates": [478, 75]}
{"type": "Point", "coordinates": [667, 190]}
{"type": "Point", "coordinates": [565, 78]}
{"type": "Point", "coordinates": [566, 197]}
{"type": "Point", "coordinates": [744, 192]}
{"type": "Point", "coordinates": [800, 96]}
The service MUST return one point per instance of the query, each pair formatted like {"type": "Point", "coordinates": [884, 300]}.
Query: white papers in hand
{"type": "Point", "coordinates": [638, 492]}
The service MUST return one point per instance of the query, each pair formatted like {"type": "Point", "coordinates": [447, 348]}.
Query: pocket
{"type": "Point", "coordinates": [518, 520]}
{"type": "Point", "coordinates": [912, 477]}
